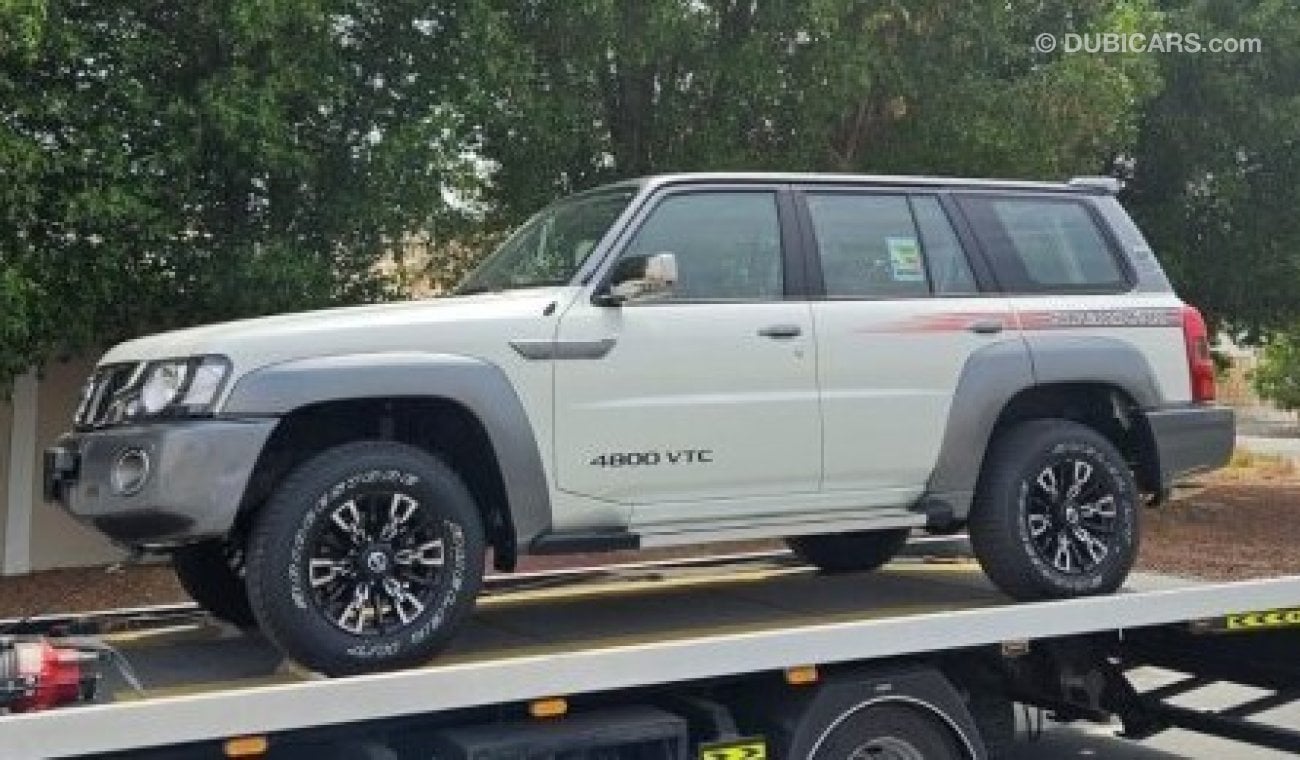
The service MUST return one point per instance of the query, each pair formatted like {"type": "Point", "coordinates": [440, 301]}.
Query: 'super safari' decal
{"type": "Point", "coordinates": [1066, 318]}
{"type": "Point", "coordinates": [1045, 319]}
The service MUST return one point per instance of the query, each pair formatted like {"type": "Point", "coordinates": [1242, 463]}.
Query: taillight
{"type": "Point", "coordinates": [1199, 361]}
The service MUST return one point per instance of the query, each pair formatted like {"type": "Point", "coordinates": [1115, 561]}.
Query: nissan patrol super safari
{"type": "Point", "coordinates": [833, 360]}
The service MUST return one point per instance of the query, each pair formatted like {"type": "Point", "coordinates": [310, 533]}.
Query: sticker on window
{"type": "Point", "coordinates": [905, 259]}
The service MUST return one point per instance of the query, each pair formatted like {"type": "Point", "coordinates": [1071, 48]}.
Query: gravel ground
{"type": "Point", "coordinates": [1230, 531]}
{"type": "Point", "coordinates": [1244, 524]}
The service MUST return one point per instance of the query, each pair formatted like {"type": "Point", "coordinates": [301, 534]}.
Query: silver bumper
{"type": "Point", "coordinates": [197, 474]}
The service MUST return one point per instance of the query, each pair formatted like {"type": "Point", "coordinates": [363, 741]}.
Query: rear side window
{"type": "Point", "coordinates": [1045, 245]}
{"type": "Point", "coordinates": [886, 246]}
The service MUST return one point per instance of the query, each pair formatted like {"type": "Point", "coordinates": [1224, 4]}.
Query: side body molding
{"type": "Point", "coordinates": [994, 375]}
{"type": "Point", "coordinates": [480, 387]}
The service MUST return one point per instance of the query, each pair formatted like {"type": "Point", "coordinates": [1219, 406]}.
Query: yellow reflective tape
{"type": "Point", "coordinates": [1254, 621]}
{"type": "Point", "coordinates": [744, 749]}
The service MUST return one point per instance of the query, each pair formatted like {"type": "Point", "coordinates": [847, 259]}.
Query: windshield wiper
{"type": "Point", "coordinates": [476, 289]}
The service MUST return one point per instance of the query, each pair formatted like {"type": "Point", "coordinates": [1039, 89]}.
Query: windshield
{"type": "Point", "coordinates": [551, 246]}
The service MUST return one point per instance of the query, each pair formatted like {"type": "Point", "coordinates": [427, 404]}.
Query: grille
{"type": "Point", "coordinates": [104, 396]}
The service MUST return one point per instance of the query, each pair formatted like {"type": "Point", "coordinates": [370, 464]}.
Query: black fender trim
{"type": "Point", "coordinates": [480, 387]}
{"type": "Point", "coordinates": [993, 376]}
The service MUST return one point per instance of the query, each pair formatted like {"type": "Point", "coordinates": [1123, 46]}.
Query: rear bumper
{"type": "Point", "coordinates": [197, 473]}
{"type": "Point", "coordinates": [1190, 439]}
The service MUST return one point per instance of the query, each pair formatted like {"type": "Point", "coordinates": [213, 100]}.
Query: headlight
{"type": "Point", "coordinates": [163, 382]}
{"type": "Point", "coordinates": [179, 387]}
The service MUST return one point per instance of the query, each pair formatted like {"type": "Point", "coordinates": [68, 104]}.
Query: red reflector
{"type": "Point", "coordinates": [1200, 363]}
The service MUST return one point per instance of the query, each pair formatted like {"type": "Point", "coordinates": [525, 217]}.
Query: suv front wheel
{"type": "Point", "coordinates": [366, 558]}
{"type": "Point", "coordinates": [1056, 512]}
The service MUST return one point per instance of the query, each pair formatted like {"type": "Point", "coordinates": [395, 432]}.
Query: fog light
{"type": "Point", "coordinates": [130, 472]}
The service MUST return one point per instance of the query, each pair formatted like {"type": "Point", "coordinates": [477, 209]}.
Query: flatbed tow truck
{"type": "Point", "coordinates": [740, 657]}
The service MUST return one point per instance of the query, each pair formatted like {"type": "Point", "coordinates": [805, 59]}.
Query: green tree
{"type": "Point", "coordinates": [1218, 166]}
{"type": "Point", "coordinates": [170, 163]}
{"type": "Point", "coordinates": [591, 90]}
{"type": "Point", "coordinates": [1277, 378]}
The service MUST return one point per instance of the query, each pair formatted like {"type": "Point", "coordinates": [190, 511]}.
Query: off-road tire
{"type": "Point", "coordinates": [1009, 492]}
{"type": "Point", "coordinates": [288, 532]}
{"type": "Point", "coordinates": [857, 552]}
{"type": "Point", "coordinates": [210, 572]}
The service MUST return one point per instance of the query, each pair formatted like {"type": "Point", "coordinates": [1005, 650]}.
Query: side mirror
{"type": "Point", "coordinates": [640, 277]}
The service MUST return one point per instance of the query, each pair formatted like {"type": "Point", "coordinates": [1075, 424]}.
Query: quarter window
{"type": "Point", "coordinates": [1042, 245]}
{"type": "Point", "coordinates": [727, 244]}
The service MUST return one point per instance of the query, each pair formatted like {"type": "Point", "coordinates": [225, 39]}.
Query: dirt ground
{"type": "Point", "coordinates": [1243, 522]}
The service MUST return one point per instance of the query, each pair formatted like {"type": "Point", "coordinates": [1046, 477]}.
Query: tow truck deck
{"type": "Point", "coordinates": [685, 631]}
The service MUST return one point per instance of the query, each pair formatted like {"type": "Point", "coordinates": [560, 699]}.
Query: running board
{"type": "Point", "coordinates": [680, 533]}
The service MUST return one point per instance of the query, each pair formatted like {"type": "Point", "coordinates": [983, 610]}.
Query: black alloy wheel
{"type": "Point", "coordinates": [368, 557]}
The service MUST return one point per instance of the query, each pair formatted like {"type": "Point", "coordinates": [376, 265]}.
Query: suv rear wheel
{"type": "Point", "coordinates": [849, 552]}
{"type": "Point", "coordinates": [366, 558]}
{"type": "Point", "coordinates": [1056, 512]}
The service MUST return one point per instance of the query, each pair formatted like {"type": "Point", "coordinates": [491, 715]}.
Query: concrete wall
{"type": "Point", "coordinates": [58, 540]}
{"type": "Point", "coordinates": [53, 538]}
{"type": "Point", "coordinates": [6, 426]}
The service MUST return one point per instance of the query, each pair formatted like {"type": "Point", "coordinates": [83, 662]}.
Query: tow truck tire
{"type": "Point", "coordinates": [210, 573]}
{"type": "Point", "coordinates": [888, 730]}
{"type": "Point", "coordinates": [856, 552]}
{"type": "Point", "coordinates": [366, 558]}
{"type": "Point", "coordinates": [1049, 484]}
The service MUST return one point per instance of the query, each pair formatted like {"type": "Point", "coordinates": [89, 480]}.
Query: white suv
{"type": "Point", "coordinates": [834, 360]}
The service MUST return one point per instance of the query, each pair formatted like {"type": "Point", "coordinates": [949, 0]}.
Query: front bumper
{"type": "Point", "coordinates": [198, 471]}
{"type": "Point", "coordinates": [1190, 439]}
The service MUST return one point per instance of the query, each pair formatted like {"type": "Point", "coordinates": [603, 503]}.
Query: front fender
{"type": "Point", "coordinates": [482, 388]}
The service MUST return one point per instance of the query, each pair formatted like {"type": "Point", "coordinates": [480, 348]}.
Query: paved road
{"type": "Point", "coordinates": [1285, 447]}
{"type": "Point", "coordinates": [1084, 740]}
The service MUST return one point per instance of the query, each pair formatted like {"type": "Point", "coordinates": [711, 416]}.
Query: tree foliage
{"type": "Point", "coordinates": [1218, 166]}
{"type": "Point", "coordinates": [169, 163]}
{"type": "Point", "coordinates": [1277, 377]}
{"type": "Point", "coordinates": [598, 89]}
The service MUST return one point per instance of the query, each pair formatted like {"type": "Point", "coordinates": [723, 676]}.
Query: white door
{"type": "Point", "coordinates": [707, 392]}
{"type": "Point", "coordinates": [901, 315]}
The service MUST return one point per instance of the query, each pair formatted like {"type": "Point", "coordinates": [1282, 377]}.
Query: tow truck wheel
{"type": "Point", "coordinates": [211, 572]}
{"type": "Point", "coordinates": [888, 732]}
{"type": "Point", "coordinates": [1056, 512]}
{"type": "Point", "coordinates": [849, 552]}
{"type": "Point", "coordinates": [366, 558]}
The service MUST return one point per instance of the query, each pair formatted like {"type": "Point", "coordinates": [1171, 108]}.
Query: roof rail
{"type": "Point", "coordinates": [1108, 185]}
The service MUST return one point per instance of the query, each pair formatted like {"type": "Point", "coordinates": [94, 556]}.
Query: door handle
{"type": "Point", "coordinates": [781, 331]}
{"type": "Point", "coordinates": [986, 326]}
